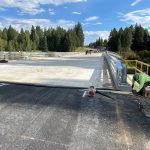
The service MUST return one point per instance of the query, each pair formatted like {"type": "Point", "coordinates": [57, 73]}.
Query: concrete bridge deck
{"type": "Point", "coordinates": [74, 71]}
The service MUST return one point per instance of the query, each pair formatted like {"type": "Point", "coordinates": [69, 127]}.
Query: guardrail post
{"type": "Point", "coordinates": [136, 66]}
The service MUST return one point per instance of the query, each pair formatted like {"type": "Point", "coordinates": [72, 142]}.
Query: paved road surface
{"type": "Point", "coordinates": [75, 71]}
{"type": "Point", "coordinates": [37, 118]}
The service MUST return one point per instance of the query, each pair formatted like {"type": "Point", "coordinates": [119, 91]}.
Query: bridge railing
{"type": "Point", "coordinates": [118, 70]}
{"type": "Point", "coordinates": [138, 66]}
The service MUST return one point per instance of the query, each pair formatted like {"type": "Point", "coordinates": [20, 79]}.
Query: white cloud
{"type": "Point", "coordinates": [64, 24]}
{"type": "Point", "coordinates": [136, 2]}
{"type": "Point", "coordinates": [98, 23]}
{"type": "Point", "coordinates": [27, 23]}
{"type": "Point", "coordinates": [33, 6]}
{"type": "Point", "coordinates": [140, 16]}
{"type": "Point", "coordinates": [93, 18]}
{"type": "Point", "coordinates": [91, 36]}
{"type": "Point", "coordinates": [76, 13]}
{"type": "Point", "coordinates": [51, 11]}
{"type": "Point", "coordinates": [91, 23]}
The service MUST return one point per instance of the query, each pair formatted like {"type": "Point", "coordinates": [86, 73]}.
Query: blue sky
{"type": "Point", "coordinates": [98, 17]}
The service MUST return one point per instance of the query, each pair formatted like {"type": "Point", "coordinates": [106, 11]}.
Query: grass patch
{"type": "Point", "coordinates": [80, 49]}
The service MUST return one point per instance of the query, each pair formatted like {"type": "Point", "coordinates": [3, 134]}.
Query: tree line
{"type": "Point", "coordinates": [99, 43]}
{"type": "Point", "coordinates": [131, 42]}
{"type": "Point", "coordinates": [134, 38]}
{"type": "Point", "coordinates": [59, 39]}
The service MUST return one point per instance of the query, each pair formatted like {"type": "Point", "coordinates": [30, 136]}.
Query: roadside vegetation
{"type": "Point", "coordinates": [80, 49]}
{"type": "Point", "coordinates": [39, 39]}
{"type": "Point", "coordinates": [99, 43]}
{"type": "Point", "coordinates": [132, 43]}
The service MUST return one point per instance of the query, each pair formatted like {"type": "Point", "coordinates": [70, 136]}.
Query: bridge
{"type": "Point", "coordinates": [71, 70]}
{"type": "Point", "coordinates": [43, 105]}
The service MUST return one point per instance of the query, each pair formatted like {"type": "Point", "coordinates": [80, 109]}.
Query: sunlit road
{"type": "Point", "coordinates": [74, 71]}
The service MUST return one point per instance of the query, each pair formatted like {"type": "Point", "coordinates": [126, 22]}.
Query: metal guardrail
{"type": "Point", "coordinates": [138, 66]}
{"type": "Point", "coordinates": [118, 71]}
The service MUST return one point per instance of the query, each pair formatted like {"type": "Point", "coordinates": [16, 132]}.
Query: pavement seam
{"type": "Point", "coordinates": [123, 126]}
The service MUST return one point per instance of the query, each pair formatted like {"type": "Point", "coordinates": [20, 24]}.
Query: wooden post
{"type": "Point", "coordinates": [141, 67]}
{"type": "Point", "coordinates": [148, 72]}
{"type": "Point", "coordinates": [136, 66]}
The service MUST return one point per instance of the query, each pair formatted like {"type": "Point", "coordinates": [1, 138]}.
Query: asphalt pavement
{"type": "Point", "coordinates": [42, 118]}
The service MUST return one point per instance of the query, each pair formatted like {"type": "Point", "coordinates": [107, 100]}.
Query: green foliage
{"type": "Point", "coordinates": [130, 42]}
{"type": "Point", "coordinates": [134, 37]}
{"type": "Point", "coordinates": [144, 56]}
{"type": "Point", "coordinates": [99, 43]}
{"type": "Point", "coordinates": [44, 40]}
{"type": "Point", "coordinates": [127, 38]}
{"type": "Point", "coordinates": [129, 55]}
{"type": "Point", "coordinates": [80, 36]}
{"type": "Point", "coordinates": [138, 38]}
{"type": "Point", "coordinates": [3, 44]}
{"type": "Point", "coordinates": [113, 40]}
{"type": "Point", "coordinates": [80, 49]}
{"type": "Point", "coordinates": [4, 34]}
{"type": "Point", "coordinates": [11, 34]}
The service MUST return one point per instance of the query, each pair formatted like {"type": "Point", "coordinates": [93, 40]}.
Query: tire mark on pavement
{"type": "Point", "coordinates": [126, 135]}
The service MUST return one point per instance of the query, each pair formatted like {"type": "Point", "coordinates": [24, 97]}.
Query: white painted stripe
{"type": "Point", "coordinates": [84, 94]}
{"type": "Point", "coordinates": [3, 84]}
{"type": "Point", "coordinates": [102, 76]}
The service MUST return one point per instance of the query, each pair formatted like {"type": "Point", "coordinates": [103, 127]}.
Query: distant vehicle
{"type": "Point", "coordinates": [92, 51]}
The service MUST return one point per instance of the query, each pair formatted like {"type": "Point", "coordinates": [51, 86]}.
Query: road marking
{"type": "Point", "coordinates": [3, 84]}
{"type": "Point", "coordinates": [101, 75]}
{"type": "Point", "coordinates": [84, 94]}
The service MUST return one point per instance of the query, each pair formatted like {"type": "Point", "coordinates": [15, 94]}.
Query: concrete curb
{"type": "Point", "coordinates": [49, 86]}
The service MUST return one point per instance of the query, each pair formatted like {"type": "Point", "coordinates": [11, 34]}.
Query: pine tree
{"type": "Point", "coordinates": [52, 39]}
{"type": "Point", "coordinates": [138, 42]}
{"type": "Point", "coordinates": [113, 40]}
{"type": "Point", "coordinates": [43, 44]}
{"type": "Point", "coordinates": [4, 34]}
{"type": "Point", "coordinates": [0, 33]}
{"type": "Point", "coordinates": [28, 46]}
{"type": "Point", "coordinates": [35, 39]}
{"type": "Point", "coordinates": [3, 44]}
{"type": "Point", "coordinates": [146, 38]}
{"type": "Point", "coordinates": [127, 38]}
{"type": "Point", "coordinates": [10, 46]}
{"type": "Point", "coordinates": [80, 35]}
{"type": "Point", "coordinates": [119, 46]}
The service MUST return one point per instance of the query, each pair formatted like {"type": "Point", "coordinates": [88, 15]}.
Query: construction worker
{"type": "Point", "coordinates": [143, 81]}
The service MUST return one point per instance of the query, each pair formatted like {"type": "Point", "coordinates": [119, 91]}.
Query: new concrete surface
{"type": "Point", "coordinates": [38, 118]}
{"type": "Point", "coordinates": [74, 71]}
